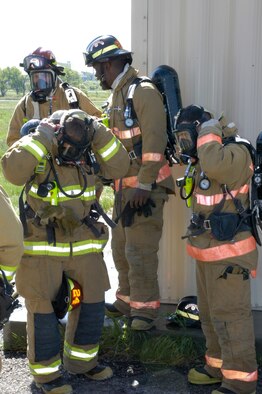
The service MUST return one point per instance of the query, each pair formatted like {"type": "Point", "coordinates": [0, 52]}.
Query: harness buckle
{"type": "Point", "coordinates": [132, 155]}
{"type": "Point", "coordinates": [207, 224]}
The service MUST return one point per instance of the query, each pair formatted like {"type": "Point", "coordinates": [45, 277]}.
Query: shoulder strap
{"type": "Point", "coordinates": [70, 95]}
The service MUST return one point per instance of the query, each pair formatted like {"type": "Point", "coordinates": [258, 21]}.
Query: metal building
{"type": "Point", "coordinates": [216, 48]}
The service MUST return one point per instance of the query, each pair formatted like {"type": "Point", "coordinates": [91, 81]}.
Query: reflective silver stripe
{"type": "Point", "coordinates": [64, 249]}
{"type": "Point", "coordinates": [110, 149]}
{"type": "Point", "coordinates": [89, 193]}
{"type": "Point", "coordinates": [37, 149]}
{"type": "Point", "coordinates": [38, 369]}
{"type": "Point", "coordinates": [80, 354]}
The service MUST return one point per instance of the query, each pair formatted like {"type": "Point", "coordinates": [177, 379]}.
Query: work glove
{"type": "Point", "coordinates": [128, 213]}
{"type": "Point", "coordinates": [48, 129]}
{"type": "Point", "coordinates": [8, 301]}
{"type": "Point", "coordinates": [139, 198]}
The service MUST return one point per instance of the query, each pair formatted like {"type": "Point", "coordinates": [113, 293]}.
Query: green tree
{"type": "Point", "coordinates": [72, 77]}
{"type": "Point", "coordinates": [17, 80]}
{"type": "Point", "coordinates": [4, 81]}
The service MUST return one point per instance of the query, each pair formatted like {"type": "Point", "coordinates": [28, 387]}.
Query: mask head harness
{"type": "Point", "coordinates": [186, 122]}
{"type": "Point", "coordinates": [73, 136]}
{"type": "Point", "coordinates": [42, 69]}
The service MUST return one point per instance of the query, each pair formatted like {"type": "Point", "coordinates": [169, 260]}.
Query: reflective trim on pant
{"type": "Point", "coordinates": [39, 369]}
{"type": "Point", "coordinates": [145, 305]}
{"type": "Point", "coordinates": [76, 353]}
{"type": "Point", "coordinates": [213, 362]}
{"type": "Point", "coordinates": [240, 375]}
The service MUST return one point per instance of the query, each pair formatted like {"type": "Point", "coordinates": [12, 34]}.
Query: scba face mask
{"type": "Point", "coordinates": [42, 83]}
{"type": "Point", "coordinates": [186, 140]}
{"type": "Point", "coordinates": [73, 137]}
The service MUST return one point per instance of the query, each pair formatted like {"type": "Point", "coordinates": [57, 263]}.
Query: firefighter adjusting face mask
{"type": "Point", "coordinates": [186, 140]}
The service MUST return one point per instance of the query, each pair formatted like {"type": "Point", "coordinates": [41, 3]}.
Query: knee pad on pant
{"type": "Point", "coordinates": [90, 323]}
{"type": "Point", "coordinates": [47, 336]}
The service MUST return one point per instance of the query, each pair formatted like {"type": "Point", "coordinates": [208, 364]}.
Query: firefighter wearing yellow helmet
{"type": "Point", "coordinates": [58, 163]}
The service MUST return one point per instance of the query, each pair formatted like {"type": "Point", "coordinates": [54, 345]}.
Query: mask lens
{"type": "Point", "coordinates": [41, 80]}
{"type": "Point", "coordinates": [184, 140]}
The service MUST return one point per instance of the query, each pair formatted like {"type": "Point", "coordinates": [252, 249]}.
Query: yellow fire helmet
{"type": "Point", "coordinates": [68, 297]}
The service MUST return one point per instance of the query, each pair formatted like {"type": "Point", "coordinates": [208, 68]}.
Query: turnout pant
{"type": "Point", "coordinates": [134, 250]}
{"type": "Point", "coordinates": [38, 280]}
{"type": "Point", "coordinates": [224, 302]}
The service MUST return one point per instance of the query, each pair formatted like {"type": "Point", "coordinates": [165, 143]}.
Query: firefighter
{"type": "Point", "coordinates": [48, 94]}
{"type": "Point", "coordinates": [140, 195]}
{"type": "Point", "coordinates": [58, 164]}
{"type": "Point", "coordinates": [220, 239]}
{"type": "Point", "coordinates": [11, 240]}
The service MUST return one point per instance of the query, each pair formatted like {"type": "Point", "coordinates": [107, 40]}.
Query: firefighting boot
{"type": "Point", "coordinates": [57, 386]}
{"type": "Point", "coordinates": [112, 311]}
{"type": "Point", "coordinates": [142, 323]}
{"type": "Point", "coordinates": [199, 375]}
{"type": "Point", "coordinates": [100, 372]}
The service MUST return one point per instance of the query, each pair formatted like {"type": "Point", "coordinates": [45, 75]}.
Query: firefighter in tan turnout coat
{"type": "Point", "coordinates": [141, 194]}
{"type": "Point", "coordinates": [63, 236]}
{"type": "Point", "coordinates": [220, 239]}
{"type": "Point", "coordinates": [47, 93]}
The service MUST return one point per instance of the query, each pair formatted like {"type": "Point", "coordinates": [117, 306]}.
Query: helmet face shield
{"type": "Point", "coordinates": [36, 62]}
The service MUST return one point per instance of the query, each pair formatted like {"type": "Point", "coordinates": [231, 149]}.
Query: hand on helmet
{"type": "Point", "coordinates": [47, 128]}
{"type": "Point", "coordinates": [139, 198]}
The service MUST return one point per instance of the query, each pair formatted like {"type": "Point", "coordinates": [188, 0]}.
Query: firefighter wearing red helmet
{"type": "Point", "coordinates": [141, 194]}
{"type": "Point", "coordinates": [220, 238]}
{"type": "Point", "coordinates": [64, 241]}
{"type": "Point", "coordinates": [48, 93]}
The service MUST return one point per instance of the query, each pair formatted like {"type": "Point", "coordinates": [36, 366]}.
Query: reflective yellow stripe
{"type": "Point", "coordinates": [110, 149]}
{"type": "Point", "coordinates": [76, 353]}
{"type": "Point", "coordinates": [206, 139]}
{"type": "Point", "coordinates": [187, 314]}
{"type": "Point", "coordinates": [104, 50]}
{"type": "Point", "coordinates": [8, 271]}
{"type": "Point", "coordinates": [39, 369]}
{"type": "Point", "coordinates": [37, 149]}
{"type": "Point", "coordinates": [88, 195]}
{"type": "Point", "coordinates": [224, 251]}
{"type": "Point", "coordinates": [239, 375]}
{"type": "Point", "coordinates": [64, 249]}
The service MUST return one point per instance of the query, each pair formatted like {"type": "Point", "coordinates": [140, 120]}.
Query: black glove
{"type": "Point", "coordinates": [128, 213]}
{"type": "Point", "coordinates": [146, 209]}
{"type": "Point", "coordinates": [139, 198]}
{"type": "Point", "coordinates": [8, 302]}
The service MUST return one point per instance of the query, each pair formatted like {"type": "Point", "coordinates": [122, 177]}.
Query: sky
{"type": "Point", "coordinates": [64, 26]}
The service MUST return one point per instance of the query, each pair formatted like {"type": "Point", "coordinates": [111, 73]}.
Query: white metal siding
{"type": "Point", "coordinates": [215, 47]}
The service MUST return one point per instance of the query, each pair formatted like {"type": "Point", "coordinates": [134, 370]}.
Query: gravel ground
{"type": "Point", "coordinates": [133, 378]}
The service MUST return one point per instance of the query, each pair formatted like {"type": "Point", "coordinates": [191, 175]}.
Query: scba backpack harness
{"type": "Point", "coordinates": [225, 225]}
{"type": "Point", "coordinates": [165, 79]}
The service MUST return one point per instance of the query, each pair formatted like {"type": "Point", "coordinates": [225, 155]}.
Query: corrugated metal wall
{"type": "Point", "coordinates": [215, 47]}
